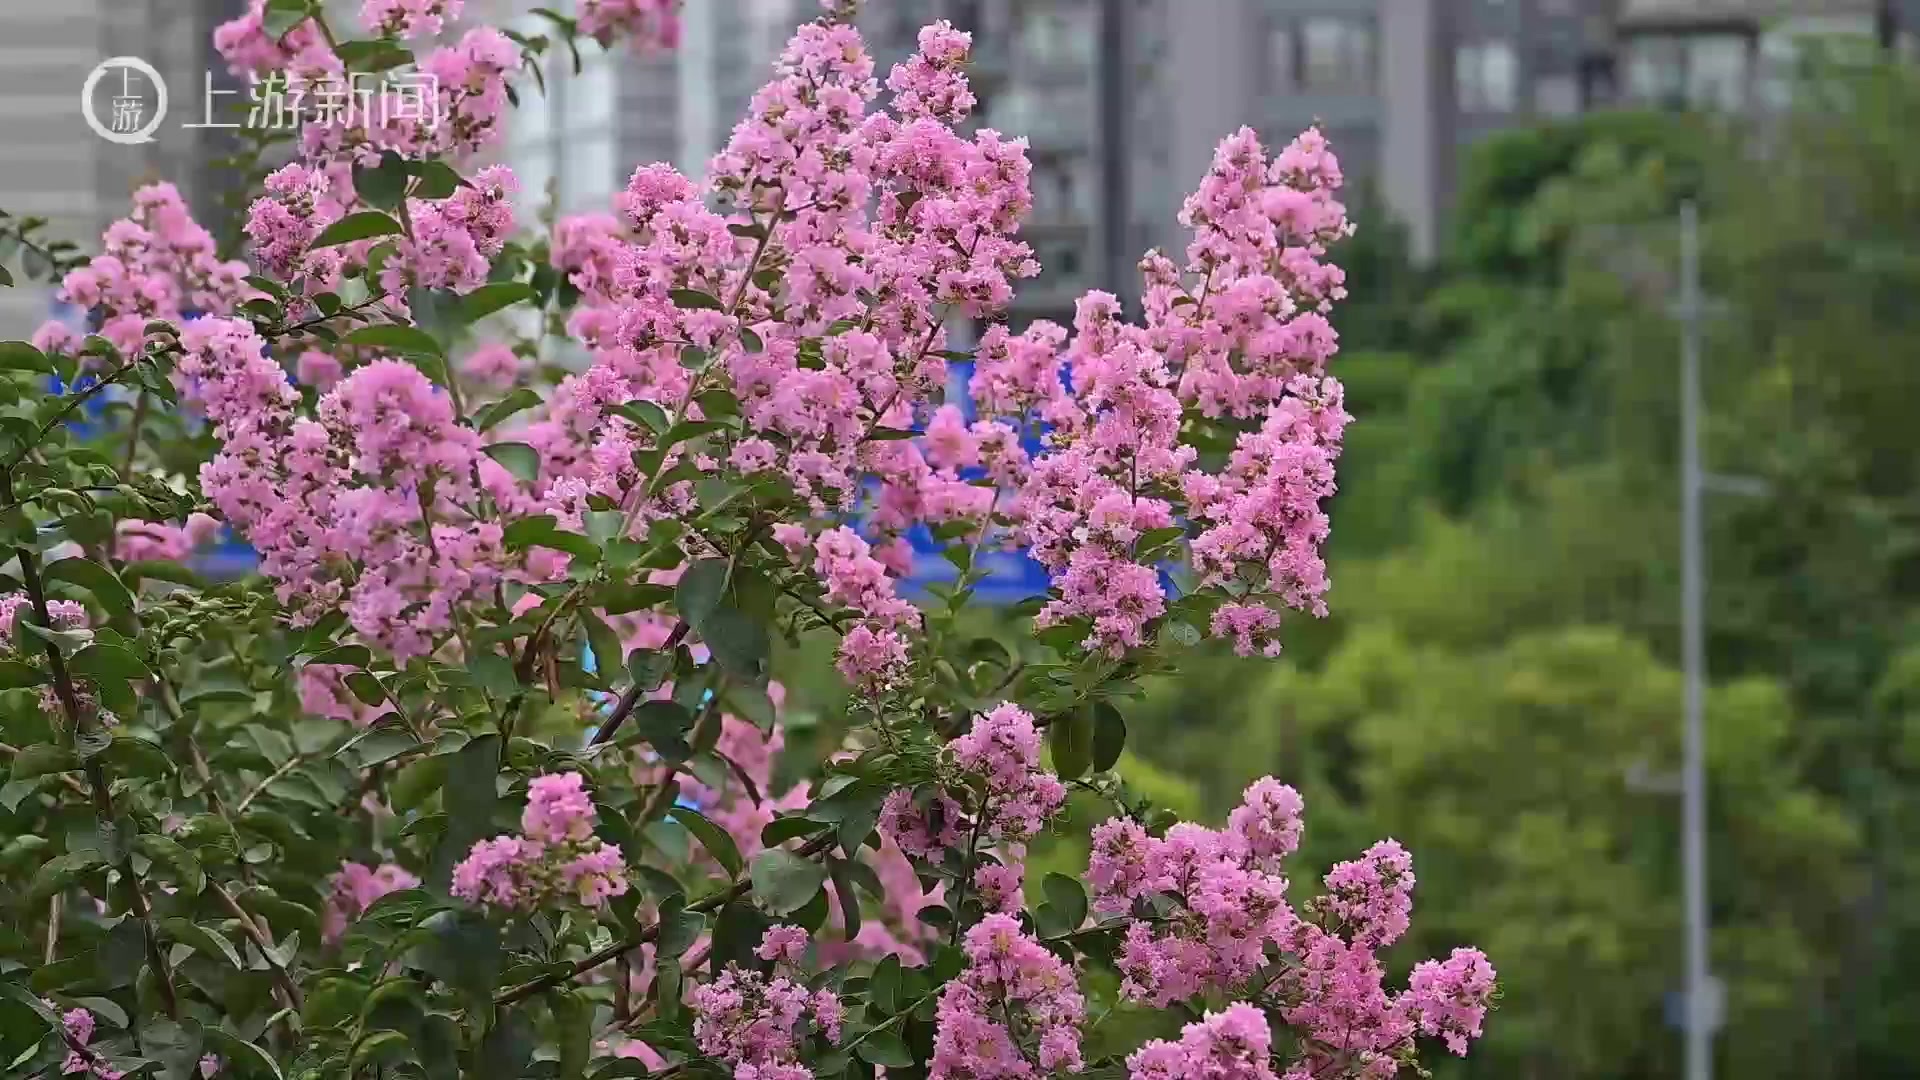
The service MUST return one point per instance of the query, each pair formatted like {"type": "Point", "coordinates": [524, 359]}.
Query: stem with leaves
{"type": "Point", "coordinates": [646, 934]}
{"type": "Point", "coordinates": [80, 723]}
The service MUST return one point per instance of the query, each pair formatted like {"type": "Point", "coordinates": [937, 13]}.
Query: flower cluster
{"type": "Point", "coordinates": [455, 238]}
{"type": "Point", "coordinates": [754, 1022]}
{"type": "Point", "coordinates": [1235, 1042]}
{"type": "Point", "coordinates": [1449, 999]}
{"type": "Point", "coordinates": [1010, 979]}
{"type": "Point", "coordinates": [1232, 896]}
{"type": "Point", "coordinates": [64, 614]}
{"type": "Point", "coordinates": [135, 540]}
{"type": "Point", "coordinates": [647, 23]}
{"type": "Point", "coordinates": [282, 224]}
{"type": "Point", "coordinates": [1238, 332]}
{"type": "Point", "coordinates": [77, 1028]}
{"type": "Point", "coordinates": [557, 856]}
{"type": "Point", "coordinates": [997, 763]}
{"type": "Point", "coordinates": [408, 18]}
{"type": "Point", "coordinates": [1232, 910]}
{"type": "Point", "coordinates": [250, 50]}
{"type": "Point", "coordinates": [381, 479]}
{"type": "Point", "coordinates": [157, 263]}
{"type": "Point", "coordinates": [874, 653]}
{"type": "Point", "coordinates": [354, 888]}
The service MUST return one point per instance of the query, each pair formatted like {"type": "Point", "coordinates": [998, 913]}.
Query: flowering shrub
{"type": "Point", "coordinates": [485, 772]}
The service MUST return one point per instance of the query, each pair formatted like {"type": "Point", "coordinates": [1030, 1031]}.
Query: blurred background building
{"type": "Point", "coordinates": [45, 56]}
{"type": "Point", "coordinates": [1123, 100]}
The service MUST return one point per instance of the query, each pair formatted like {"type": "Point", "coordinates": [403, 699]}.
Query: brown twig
{"type": "Point", "coordinates": [288, 766]}
{"type": "Point", "coordinates": [631, 699]}
{"type": "Point", "coordinates": [288, 988]}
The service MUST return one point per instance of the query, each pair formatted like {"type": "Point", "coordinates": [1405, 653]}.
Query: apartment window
{"type": "Point", "coordinates": [1556, 95]}
{"type": "Point", "coordinates": [1486, 77]}
{"type": "Point", "coordinates": [1054, 36]}
{"type": "Point", "coordinates": [1717, 72]}
{"type": "Point", "coordinates": [1336, 54]}
{"type": "Point", "coordinates": [1283, 48]}
{"type": "Point", "coordinates": [1702, 71]}
{"type": "Point", "coordinates": [565, 138]}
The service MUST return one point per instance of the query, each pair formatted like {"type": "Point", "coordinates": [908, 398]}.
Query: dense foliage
{"type": "Point", "coordinates": [1497, 683]}
{"type": "Point", "coordinates": [487, 771]}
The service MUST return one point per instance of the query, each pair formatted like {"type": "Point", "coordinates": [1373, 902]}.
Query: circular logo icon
{"type": "Point", "coordinates": [138, 104]}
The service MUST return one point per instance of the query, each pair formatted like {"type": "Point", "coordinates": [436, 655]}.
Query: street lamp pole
{"type": "Point", "coordinates": [1698, 1010]}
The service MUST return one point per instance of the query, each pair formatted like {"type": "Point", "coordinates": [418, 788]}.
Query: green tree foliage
{"type": "Point", "coordinates": [1499, 661]}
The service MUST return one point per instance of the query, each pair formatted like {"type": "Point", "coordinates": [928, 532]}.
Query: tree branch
{"type": "Point", "coordinates": [288, 988]}
{"type": "Point", "coordinates": [631, 699]}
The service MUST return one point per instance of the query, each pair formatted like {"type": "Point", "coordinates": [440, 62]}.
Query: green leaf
{"type": "Point", "coordinates": [438, 180]}
{"type": "Point", "coordinates": [540, 531]}
{"type": "Point", "coordinates": [782, 829]}
{"type": "Point", "coordinates": [105, 661]}
{"type": "Point", "coordinates": [347, 655]}
{"type": "Point", "coordinates": [32, 1001]}
{"type": "Point", "coordinates": [379, 1046]}
{"type": "Point", "coordinates": [22, 356]}
{"type": "Point", "coordinates": [605, 644]}
{"type": "Point", "coordinates": [694, 299]}
{"type": "Point", "coordinates": [42, 759]}
{"type": "Point", "coordinates": [700, 591]}
{"type": "Point", "coordinates": [712, 837]}
{"type": "Point", "coordinates": [1070, 737]}
{"type": "Point", "coordinates": [462, 949]}
{"type": "Point", "coordinates": [1109, 736]}
{"type": "Point", "coordinates": [518, 401]}
{"type": "Point", "coordinates": [849, 899]}
{"type": "Point", "coordinates": [361, 226]}
{"type": "Point", "coordinates": [204, 941]}
{"type": "Point", "coordinates": [96, 579]}
{"type": "Point", "coordinates": [507, 1049]}
{"type": "Point", "coordinates": [679, 928]}
{"type": "Point", "coordinates": [58, 873]}
{"type": "Point", "coordinates": [491, 297]}
{"type": "Point", "coordinates": [646, 415]}
{"type": "Point", "coordinates": [14, 675]}
{"type": "Point", "coordinates": [469, 795]}
{"type": "Point", "coordinates": [521, 460]}
{"type": "Point", "coordinates": [371, 56]}
{"type": "Point", "coordinates": [886, 1049]}
{"type": "Point", "coordinates": [1067, 896]}
{"type": "Point", "coordinates": [384, 183]}
{"type": "Point", "coordinates": [784, 882]}
{"type": "Point", "coordinates": [664, 725]}
{"type": "Point", "coordinates": [186, 868]}
{"type": "Point", "coordinates": [281, 16]}
{"type": "Point", "coordinates": [392, 337]}
{"type": "Point", "coordinates": [242, 1056]}
{"type": "Point", "coordinates": [739, 642]}
{"type": "Point", "coordinates": [883, 986]}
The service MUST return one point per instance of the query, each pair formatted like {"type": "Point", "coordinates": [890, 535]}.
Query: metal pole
{"type": "Point", "coordinates": [1699, 1033]}
{"type": "Point", "coordinates": [1111, 257]}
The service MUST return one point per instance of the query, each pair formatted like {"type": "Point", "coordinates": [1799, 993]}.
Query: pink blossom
{"type": "Point", "coordinates": [353, 890]}
{"type": "Point", "coordinates": [1008, 975]}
